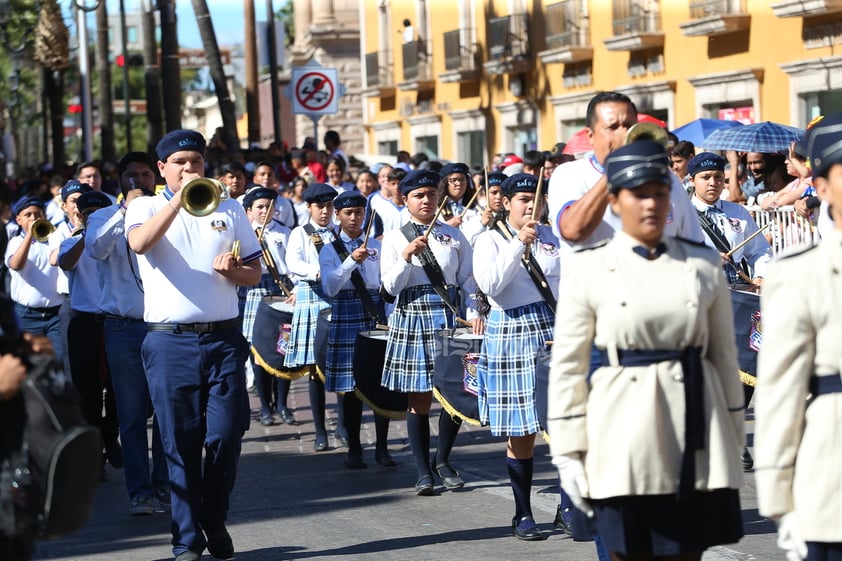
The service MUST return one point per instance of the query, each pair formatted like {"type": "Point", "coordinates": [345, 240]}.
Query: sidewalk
{"type": "Point", "coordinates": [291, 503]}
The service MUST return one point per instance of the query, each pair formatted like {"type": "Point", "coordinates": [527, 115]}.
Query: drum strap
{"type": "Point", "coordinates": [314, 237]}
{"type": "Point", "coordinates": [431, 268]}
{"type": "Point", "coordinates": [532, 267]}
{"type": "Point", "coordinates": [719, 240]}
{"type": "Point", "coordinates": [359, 285]}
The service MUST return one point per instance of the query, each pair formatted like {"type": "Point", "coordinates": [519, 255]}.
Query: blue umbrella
{"type": "Point", "coordinates": [759, 137]}
{"type": "Point", "coordinates": [698, 130]}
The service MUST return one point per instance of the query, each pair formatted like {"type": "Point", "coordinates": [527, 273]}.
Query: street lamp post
{"type": "Point", "coordinates": [16, 53]}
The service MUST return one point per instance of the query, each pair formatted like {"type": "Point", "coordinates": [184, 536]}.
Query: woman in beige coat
{"type": "Point", "coordinates": [651, 442]}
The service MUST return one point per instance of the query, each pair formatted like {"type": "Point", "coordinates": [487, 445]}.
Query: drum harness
{"type": "Point", "coordinates": [359, 285]}
{"type": "Point", "coordinates": [722, 245]}
{"type": "Point", "coordinates": [532, 267]}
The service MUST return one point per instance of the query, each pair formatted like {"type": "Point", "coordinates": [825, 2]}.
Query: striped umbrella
{"type": "Point", "coordinates": [759, 137]}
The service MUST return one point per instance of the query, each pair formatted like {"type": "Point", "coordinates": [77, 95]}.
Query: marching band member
{"type": "Point", "coordinates": [272, 390]}
{"type": "Point", "coordinates": [799, 392]}
{"type": "Point", "coordinates": [650, 442]}
{"type": "Point", "coordinates": [420, 310]}
{"type": "Point", "coordinates": [352, 311]}
{"type": "Point", "coordinates": [518, 326]}
{"type": "Point", "coordinates": [456, 185]}
{"type": "Point", "coordinates": [305, 244]}
{"type": "Point", "coordinates": [194, 352]}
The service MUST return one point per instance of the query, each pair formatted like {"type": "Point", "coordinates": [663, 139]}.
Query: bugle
{"type": "Point", "coordinates": [201, 196]}
{"type": "Point", "coordinates": [647, 131]}
{"type": "Point", "coordinates": [41, 229]}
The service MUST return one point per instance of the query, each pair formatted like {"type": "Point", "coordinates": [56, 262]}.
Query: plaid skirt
{"type": "Point", "coordinates": [348, 317]}
{"type": "Point", "coordinates": [506, 368]}
{"type": "Point", "coordinates": [254, 294]}
{"type": "Point", "coordinates": [411, 346]}
{"type": "Point", "coordinates": [309, 301]}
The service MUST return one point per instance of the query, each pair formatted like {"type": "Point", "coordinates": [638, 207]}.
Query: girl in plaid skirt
{"type": "Point", "coordinates": [520, 323]}
{"type": "Point", "coordinates": [419, 312]}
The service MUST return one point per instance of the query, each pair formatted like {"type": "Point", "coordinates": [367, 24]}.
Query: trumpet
{"type": "Point", "coordinates": [201, 196]}
{"type": "Point", "coordinates": [41, 229]}
{"type": "Point", "coordinates": [647, 131]}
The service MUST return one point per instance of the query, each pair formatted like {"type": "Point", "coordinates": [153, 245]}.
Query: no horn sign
{"type": "Point", "coordinates": [315, 91]}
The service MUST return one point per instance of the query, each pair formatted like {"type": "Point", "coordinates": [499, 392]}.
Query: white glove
{"type": "Point", "coordinates": [789, 538]}
{"type": "Point", "coordinates": [571, 472]}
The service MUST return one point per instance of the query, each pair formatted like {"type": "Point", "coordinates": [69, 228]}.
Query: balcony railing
{"type": "Point", "coordinates": [707, 8]}
{"type": "Point", "coordinates": [459, 53]}
{"type": "Point", "coordinates": [630, 17]}
{"type": "Point", "coordinates": [507, 37]}
{"type": "Point", "coordinates": [377, 69]}
{"type": "Point", "coordinates": [414, 60]}
{"type": "Point", "coordinates": [566, 25]}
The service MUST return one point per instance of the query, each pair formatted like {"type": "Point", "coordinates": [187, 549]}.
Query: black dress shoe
{"type": "Point", "coordinates": [524, 528]}
{"type": "Point", "coordinates": [287, 416]}
{"type": "Point", "coordinates": [449, 476]}
{"type": "Point", "coordinates": [355, 461]}
{"type": "Point", "coordinates": [114, 454]}
{"type": "Point", "coordinates": [385, 459]}
{"type": "Point", "coordinates": [341, 437]}
{"type": "Point", "coordinates": [267, 420]}
{"type": "Point", "coordinates": [424, 486]}
{"type": "Point", "coordinates": [748, 461]}
{"type": "Point", "coordinates": [220, 545]}
{"type": "Point", "coordinates": [320, 445]}
{"type": "Point", "coordinates": [564, 520]}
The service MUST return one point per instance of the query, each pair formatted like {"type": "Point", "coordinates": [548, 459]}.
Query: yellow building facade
{"type": "Point", "coordinates": [466, 79]}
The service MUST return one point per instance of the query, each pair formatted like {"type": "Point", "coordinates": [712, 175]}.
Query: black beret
{"type": "Point", "coordinates": [705, 161]}
{"type": "Point", "coordinates": [258, 193]}
{"type": "Point", "coordinates": [319, 193]}
{"type": "Point", "coordinates": [519, 183]}
{"type": "Point", "coordinates": [93, 200]}
{"type": "Point", "coordinates": [417, 179]}
{"type": "Point", "coordinates": [824, 144]}
{"type": "Point", "coordinates": [178, 141]}
{"type": "Point", "coordinates": [454, 167]}
{"type": "Point", "coordinates": [637, 163]}
{"type": "Point", "coordinates": [349, 199]}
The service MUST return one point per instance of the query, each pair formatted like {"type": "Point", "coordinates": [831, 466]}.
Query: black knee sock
{"type": "Point", "coordinates": [418, 431]}
{"type": "Point", "coordinates": [281, 393]}
{"type": "Point", "coordinates": [352, 411]}
{"type": "Point", "coordinates": [520, 475]}
{"type": "Point", "coordinates": [317, 406]}
{"type": "Point", "coordinates": [340, 415]}
{"type": "Point", "coordinates": [448, 429]}
{"type": "Point", "coordinates": [263, 383]}
{"type": "Point", "coordinates": [381, 428]}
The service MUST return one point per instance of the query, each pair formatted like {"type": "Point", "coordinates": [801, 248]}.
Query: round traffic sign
{"type": "Point", "coordinates": [314, 91]}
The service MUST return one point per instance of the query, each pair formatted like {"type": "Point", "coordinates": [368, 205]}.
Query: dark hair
{"type": "Point", "coordinates": [684, 148]}
{"type": "Point", "coordinates": [417, 158]}
{"type": "Point", "coordinates": [267, 163]}
{"type": "Point", "coordinates": [89, 164]}
{"type": "Point", "coordinates": [133, 158]}
{"type": "Point", "coordinates": [333, 137]}
{"type": "Point", "coordinates": [534, 158]}
{"type": "Point", "coordinates": [469, 188]}
{"type": "Point", "coordinates": [366, 171]}
{"type": "Point", "coordinates": [605, 97]}
{"type": "Point", "coordinates": [339, 162]}
{"type": "Point", "coordinates": [232, 167]}
{"type": "Point", "coordinates": [397, 174]}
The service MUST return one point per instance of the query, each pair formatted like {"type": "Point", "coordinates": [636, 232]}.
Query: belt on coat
{"type": "Point", "coordinates": [823, 385]}
{"type": "Point", "coordinates": [694, 407]}
{"type": "Point", "coordinates": [200, 328]}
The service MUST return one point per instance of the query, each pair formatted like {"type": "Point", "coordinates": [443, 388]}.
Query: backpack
{"type": "Point", "coordinates": [64, 452]}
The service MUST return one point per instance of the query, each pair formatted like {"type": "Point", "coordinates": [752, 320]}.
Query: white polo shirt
{"type": "Point", "coordinates": [391, 214]}
{"type": "Point", "coordinates": [179, 282]}
{"type": "Point", "coordinates": [35, 284]}
{"type": "Point", "coordinates": [62, 232]}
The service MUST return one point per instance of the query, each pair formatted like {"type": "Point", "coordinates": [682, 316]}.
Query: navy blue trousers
{"type": "Point", "coordinates": [198, 388]}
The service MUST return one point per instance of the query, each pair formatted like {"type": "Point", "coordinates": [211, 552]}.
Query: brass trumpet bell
{"type": "Point", "coordinates": [41, 229]}
{"type": "Point", "coordinates": [201, 196]}
{"type": "Point", "coordinates": [647, 131]}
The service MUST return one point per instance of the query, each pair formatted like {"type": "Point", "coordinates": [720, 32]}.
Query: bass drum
{"type": "Point", "coordinates": [747, 328]}
{"type": "Point", "coordinates": [270, 338]}
{"type": "Point", "coordinates": [455, 383]}
{"type": "Point", "coordinates": [369, 355]}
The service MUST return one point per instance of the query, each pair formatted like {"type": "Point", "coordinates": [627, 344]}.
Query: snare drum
{"type": "Point", "coordinates": [270, 337]}
{"type": "Point", "coordinates": [369, 355]}
{"type": "Point", "coordinates": [320, 342]}
{"type": "Point", "coordinates": [455, 382]}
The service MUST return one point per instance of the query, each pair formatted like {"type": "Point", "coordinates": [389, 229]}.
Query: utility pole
{"type": "Point", "coordinates": [273, 70]}
{"type": "Point", "coordinates": [106, 98]}
{"type": "Point", "coordinates": [252, 97]}
{"type": "Point", "coordinates": [170, 73]}
{"type": "Point", "coordinates": [152, 79]}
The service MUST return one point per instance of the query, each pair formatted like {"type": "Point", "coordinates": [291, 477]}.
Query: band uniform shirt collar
{"type": "Point", "coordinates": [638, 248]}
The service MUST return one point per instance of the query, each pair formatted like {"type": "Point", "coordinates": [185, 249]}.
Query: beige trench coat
{"type": "Point", "coordinates": [628, 422]}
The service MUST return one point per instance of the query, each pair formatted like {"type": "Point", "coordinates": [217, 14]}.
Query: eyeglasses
{"type": "Point", "coordinates": [456, 180]}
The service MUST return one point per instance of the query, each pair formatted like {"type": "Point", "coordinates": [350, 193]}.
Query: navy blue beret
{"type": "Point", "coordinates": [178, 141]}
{"type": "Point", "coordinates": [349, 199]}
{"type": "Point", "coordinates": [496, 178]}
{"type": "Point", "coordinates": [637, 163]}
{"type": "Point", "coordinates": [27, 202]}
{"type": "Point", "coordinates": [256, 193]}
{"type": "Point", "coordinates": [519, 183]}
{"type": "Point", "coordinates": [93, 200]}
{"type": "Point", "coordinates": [74, 186]}
{"type": "Point", "coordinates": [824, 144]}
{"type": "Point", "coordinates": [705, 161]}
{"type": "Point", "coordinates": [319, 193]}
{"type": "Point", "coordinates": [454, 167]}
{"type": "Point", "coordinates": [417, 179]}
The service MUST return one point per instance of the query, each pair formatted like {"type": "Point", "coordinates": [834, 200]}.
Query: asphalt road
{"type": "Point", "coordinates": [291, 503]}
